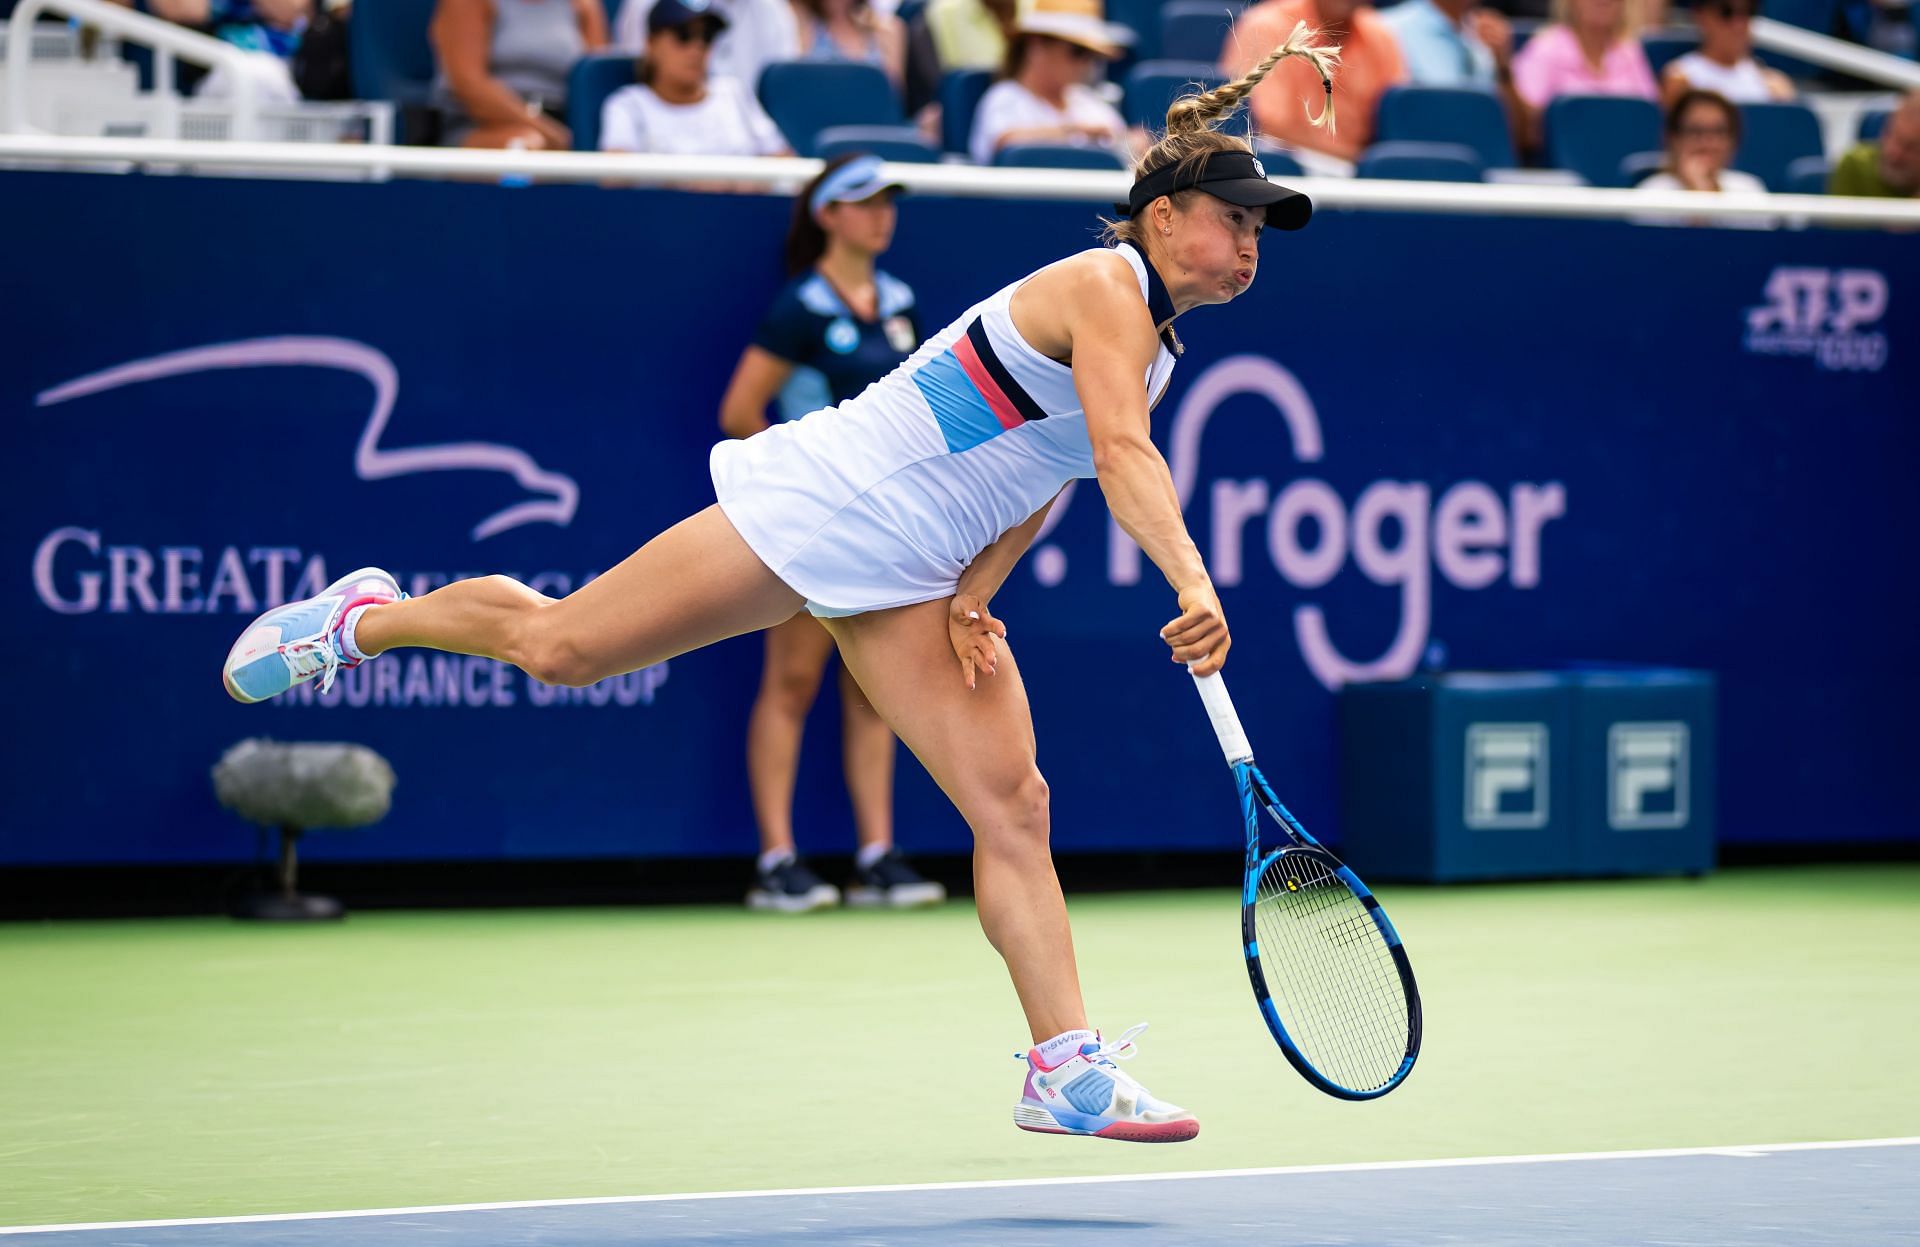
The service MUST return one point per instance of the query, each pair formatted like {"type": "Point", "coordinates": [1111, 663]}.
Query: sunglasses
{"type": "Point", "coordinates": [1706, 132]}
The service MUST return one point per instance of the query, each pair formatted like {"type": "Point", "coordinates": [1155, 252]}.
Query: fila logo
{"type": "Point", "coordinates": [1506, 776]}
{"type": "Point", "coordinates": [1647, 776]}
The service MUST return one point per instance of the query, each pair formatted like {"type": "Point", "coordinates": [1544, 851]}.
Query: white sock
{"type": "Point", "coordinates": [871, 853]}
{"type": "Point", "coordinates": [347, 626]}
{"type": "Point", "coordinates": [775, 857]}
{"type": "Point", "coordinates": [1063, 1046]}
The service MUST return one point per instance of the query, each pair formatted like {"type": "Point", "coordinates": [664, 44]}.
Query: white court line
{"type": "Point", "coordinates": [1738, 1150]}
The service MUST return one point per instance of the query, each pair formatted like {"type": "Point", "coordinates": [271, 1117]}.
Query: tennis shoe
{"type": "Point", "coordinates": [890, 883]}
{"type": "Point", "coordinates": [302, 640]}
{"type": "Point", "coordinates": [1086, 1092]}
{"type": "Point", "coordinates": [790, 887]}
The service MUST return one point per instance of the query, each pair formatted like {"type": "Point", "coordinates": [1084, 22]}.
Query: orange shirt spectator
{"type": "Point", "coordinates": [1370, 62]}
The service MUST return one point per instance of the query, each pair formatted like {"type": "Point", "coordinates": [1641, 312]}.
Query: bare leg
{"type": "Point", "coordinates": [866, 750]}
{"type": "Point", "coordinates": [796, 657]}
{"type": "Point", "coordinates": [979, 748]}
{"type": "Point", "coordinates": [694, 584]}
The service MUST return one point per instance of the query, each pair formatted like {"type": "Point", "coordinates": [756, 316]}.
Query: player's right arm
{"type": "Point", "coordinates": [1113, 343]}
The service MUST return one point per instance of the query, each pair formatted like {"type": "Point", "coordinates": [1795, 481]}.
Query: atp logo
{"type": "Point", "coordinates": [1825, 313]}
{"type": "Point", "coordinates": [1647, 776]}
{"type": "Point", "coordinates": [1506, 788]}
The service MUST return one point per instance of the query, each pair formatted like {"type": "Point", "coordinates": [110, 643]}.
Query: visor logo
{"type": "Point", "coordinates": [1259, 169]}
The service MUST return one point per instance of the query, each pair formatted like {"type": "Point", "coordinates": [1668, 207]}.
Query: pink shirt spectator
{"type": "Point", "coordinates": [1553, 65]}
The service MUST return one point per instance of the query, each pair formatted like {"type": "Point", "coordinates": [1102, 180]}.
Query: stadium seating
{"type": "Point", "coordinates": [1591, 134]}
{"type": "Point", "coordinates": [1872, 122]}
{"type": "Point", "coordinates": [960, 92]}
{"type": "Point", "coordinates": [1195, 30]}
{"type": "Point", "coordinates": [1048, 156]}
{"type": "Point", "coordinates": [1807, 176]}
{"type": "Point", "coordinates": [1774, 136]}
{"type": "Point", "coordinates": [1421, 162]}
{"type": "Point", "coordinates": [1153, 85]}
{"type": "Point", "coordinates": [1638, 167]}
{"type": "Point", "coordinates": [591, 81]}
{"type": "Point", "coordinates": [805, 97]}
{"type": "Point", "coordinates": [901, 143]}
{"type": "Point", "coordinates": [1663, 47]}
{"type": "Point", "coordinates": [1142, 17]}
{"type": "Point", "coordinates": [391, 56]}
{"type": "Point", "coordinates": [1465, 115]}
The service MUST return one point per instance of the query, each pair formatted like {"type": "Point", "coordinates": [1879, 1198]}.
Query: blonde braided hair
{"type": "Point", "coordinates": [1191, 135]}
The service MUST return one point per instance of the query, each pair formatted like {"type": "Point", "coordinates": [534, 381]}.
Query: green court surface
{"type": "Point", "coordinates": [202, 1067]}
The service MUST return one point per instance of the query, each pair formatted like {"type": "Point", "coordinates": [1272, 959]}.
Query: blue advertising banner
{"type": "Point", "coordinates": [1459, 442]}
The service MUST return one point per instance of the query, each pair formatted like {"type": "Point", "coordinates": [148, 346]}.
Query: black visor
{"type": "Point", "coordinates": [1236, 177]}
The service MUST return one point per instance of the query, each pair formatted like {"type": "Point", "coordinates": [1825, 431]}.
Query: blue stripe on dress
{"type": "Point", "coordinates": [965, 419]}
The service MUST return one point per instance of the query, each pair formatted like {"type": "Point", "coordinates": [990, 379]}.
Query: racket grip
{"type": "Point", "coordinates": [1226, 723]}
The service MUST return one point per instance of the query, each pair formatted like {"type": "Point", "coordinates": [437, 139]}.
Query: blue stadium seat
{"type": "Point", "coordinates": [1807, 176]}
{"type": "Point", "coordinates": [1640, 166]}
{"type": "Point", "coordinates": [391, 57]}
{"type": "Point", "coordinates": [1422, 162]}
{"type": "Point", "coordinates": [805, 97]}
{"type": "Point", "coordinates": [1142, 17]}
{"type": "Point", "coordinates": [1872, 122]}
{"type": "Point", "coordinates": [1448, 115]}
{"type": "Point", "coordinates": [1591, 134]}
{"type": "Point", "coordinates": [1047, 156]}
{"type": "Point", "coordinates": [901, 143]}
{"type": "Point", "coordinates": [1196, 30]}
{"type": "Point", "coordinates": [1663, 47]}
{"type": "Point", "coordinates": [1153, 85]}
{"type": "Point", "coordinates": [960, 92]}
{"type": "Point", "coordinates": [1773, 137]}
{"type": "Point", "coordinates": [589, 83]}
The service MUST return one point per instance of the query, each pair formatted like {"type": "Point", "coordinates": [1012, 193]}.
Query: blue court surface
{"type": "Point", "coordinates": [1857, 1193]}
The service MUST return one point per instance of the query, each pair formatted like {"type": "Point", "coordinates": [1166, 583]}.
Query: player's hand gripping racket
{"type": "Point", "coordinates": [1328, 970]}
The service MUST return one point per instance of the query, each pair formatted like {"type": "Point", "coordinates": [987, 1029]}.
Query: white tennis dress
{"type": "Point", "coordinates": [885, 499]}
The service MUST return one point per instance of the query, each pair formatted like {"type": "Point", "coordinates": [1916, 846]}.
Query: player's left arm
{"type": "Point", "coordinates": [970, 624]}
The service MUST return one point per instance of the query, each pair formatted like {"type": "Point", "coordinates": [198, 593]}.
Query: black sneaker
{"type": "Point", "coordinates": [791, 888]}
{"type": "Point", "coordinates": [892, 884]}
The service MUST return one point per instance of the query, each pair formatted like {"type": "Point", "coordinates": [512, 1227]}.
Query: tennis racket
{"type": "Point", "coordinates": [1328, 969]}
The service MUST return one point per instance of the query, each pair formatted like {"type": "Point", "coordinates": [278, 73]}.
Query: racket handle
{"type": "Point", "coordinates": [1226, 723]}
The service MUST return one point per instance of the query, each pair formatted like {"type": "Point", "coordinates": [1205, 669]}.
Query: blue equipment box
{"type": "Point", "coordinates": [1500, 775]}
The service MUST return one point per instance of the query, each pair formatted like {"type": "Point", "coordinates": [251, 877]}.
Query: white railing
{"type": "Point", "coordinates": [784, 174]}
{"type": "Point", "coordinates": [168, 41]}
{"type": "Point", "coordinates": [1830, 53]}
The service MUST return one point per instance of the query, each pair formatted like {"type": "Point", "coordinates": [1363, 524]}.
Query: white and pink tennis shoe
{"type": "Point", "coordinates": [294, 643]}
{"type": "Point", "coordinates": [1074, 1087]}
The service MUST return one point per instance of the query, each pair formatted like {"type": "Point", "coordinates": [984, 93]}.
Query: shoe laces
{"type": "Point", "coordinates": [1107, 1051]}
{"type": "Point", "coordinates": [313, 654]}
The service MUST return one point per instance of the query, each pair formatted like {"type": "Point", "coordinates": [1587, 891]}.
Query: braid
{"type": "Point", "coordinates": [1195, 113]}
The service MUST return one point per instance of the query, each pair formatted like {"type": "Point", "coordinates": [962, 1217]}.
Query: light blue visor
{"type": "Point", "coordinates": [858, 179]}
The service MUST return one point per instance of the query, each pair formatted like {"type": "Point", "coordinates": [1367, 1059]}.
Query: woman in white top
{"type": "Point", "coordinates": [1723, 63]}
{"type": "Point", "coordinates": [1043, 97]}
{"type": "Point", "coordinates": [1703, 133]}
{"type": "Point", "coordinates": [677, 107]}
{"type": "Point", "coordinates": [895, 517]}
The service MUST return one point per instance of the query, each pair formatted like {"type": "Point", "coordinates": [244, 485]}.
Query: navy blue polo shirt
{"type": "Point", "coordinates": [835, 354]}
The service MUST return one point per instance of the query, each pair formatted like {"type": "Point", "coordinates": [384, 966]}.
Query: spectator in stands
{"type": "Point", "coordinates": [503, 68]}
{"type": "Point", "coordinates": [1703, 133]}
{"type": "Point", "coordinates": [270, 29]}
{"type": "Point", "coordinates": [677, 106]}
{"type": "Point", "coordinates": [1043, 96]}
{"type": "Point", "coordinates": [954, 34]}
{"type": "Point", "coordinates": [1723, 63]}
{"type": "Point", "coordinates": [1370, 62]}
{"type": "Point", "coordinates": [1890, 168]}
{"type": "Point", "coordinates": [758, 33]}
{"type": "Point", "coordinates": [1457, 43]}
{"type": "Point", "coordinates": [837, 327]}
{"type": "Point", "coordinates": [849, 30]}
{"type": "Point", "coordinates": [1589, 49]}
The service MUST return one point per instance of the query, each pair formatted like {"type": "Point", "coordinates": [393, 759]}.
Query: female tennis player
{"type": "Point", "coordinates": [894, 518]}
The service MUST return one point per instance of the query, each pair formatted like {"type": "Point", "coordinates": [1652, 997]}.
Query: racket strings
{"type": "Point", "coordinates": [1333, 978]}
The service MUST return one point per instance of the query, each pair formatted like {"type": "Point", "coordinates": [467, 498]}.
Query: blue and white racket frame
{"type": "Point", "coordinates": [1256, 795]}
